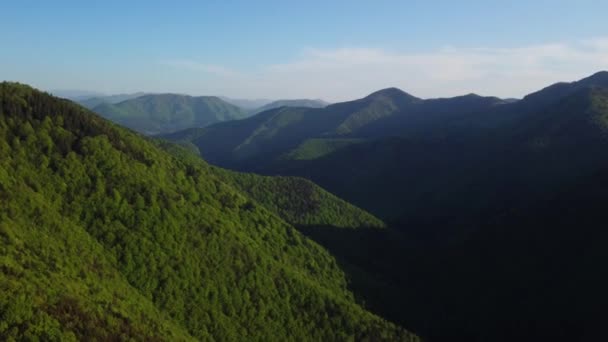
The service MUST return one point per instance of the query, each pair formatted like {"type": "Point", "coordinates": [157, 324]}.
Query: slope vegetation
{"type": "Point", "coordinates": [105, 235]}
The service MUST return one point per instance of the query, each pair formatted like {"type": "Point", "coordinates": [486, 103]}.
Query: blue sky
{"type": "Point", "coordinates": [335, 50]}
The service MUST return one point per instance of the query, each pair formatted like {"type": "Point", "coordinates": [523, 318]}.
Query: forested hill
{"type": "Point", "coordinates": [300, 201]}
{"type": "Point", "coordinates": [164, 113]}
{"type": "Point", "coordinates": [106, 236]}
{"type": "Point", "coordinates": [296, 200]}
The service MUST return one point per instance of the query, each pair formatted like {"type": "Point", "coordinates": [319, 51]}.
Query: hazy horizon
{"type": "Point", "coordinates": [277, 50]}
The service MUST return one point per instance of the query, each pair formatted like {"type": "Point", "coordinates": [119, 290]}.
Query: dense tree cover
{"type": "Point", "coordinates": [299, 201]}
{"type": "Point", "coordinates": [106, 236]}
{"type": "Point", "coordinates": [296, 200]}
{"type": "Point", "coordinates": [164, 113]}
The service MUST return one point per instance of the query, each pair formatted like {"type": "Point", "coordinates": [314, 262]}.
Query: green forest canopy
{"type": "Point", "coordinates": [107, 236]}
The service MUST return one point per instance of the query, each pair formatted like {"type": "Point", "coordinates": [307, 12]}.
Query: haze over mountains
{"type": "Point", "coordinates": [164, 113]}
{"type": "Point", "coordinates": [466, 218]}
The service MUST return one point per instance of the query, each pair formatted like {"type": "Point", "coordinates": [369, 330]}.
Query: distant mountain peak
{"type": "Point", "coordinates": [391, 92]}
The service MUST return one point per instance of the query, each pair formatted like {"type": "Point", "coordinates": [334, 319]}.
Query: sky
{"type": "Point", "coordinates": [332, 50]}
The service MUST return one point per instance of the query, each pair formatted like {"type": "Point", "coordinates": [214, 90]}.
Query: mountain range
{"type": "Point", "coordinates": [163, 113]}
{"type": "Point", "coordinates": [494, 206]}
{"type": "Point", "coordinates": [373, 150]}
{"type": "Point", "coordinates": [459, 219]}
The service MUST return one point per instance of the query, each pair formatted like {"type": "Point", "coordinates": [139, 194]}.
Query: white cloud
{"type": "Point", "coordinates": [347, 73]}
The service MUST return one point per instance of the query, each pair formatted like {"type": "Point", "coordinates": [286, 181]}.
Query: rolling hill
{"type": "Point", "coordinates": [289, 103]}
{"type": "Point", "coordinates": [164, 113]}
{"type": "Point", "coordinates": [266, 137]}
{"type": "Point", "coordinates": [92, 102]}
{"type": "Point", "coordinates": [107, 235]}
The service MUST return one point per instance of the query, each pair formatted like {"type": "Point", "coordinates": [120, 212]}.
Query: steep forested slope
{"type": "Point", "coordinates": [298, 201]}
{"type": "Point", "coordinates": [107, 236]}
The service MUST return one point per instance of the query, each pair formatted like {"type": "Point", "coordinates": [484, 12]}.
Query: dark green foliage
{"type": "Point", "coordinates": [536, 274]}
{"type": "Point", "coordinates": [296, 200]}
{"type": "Point", "coordinates": [106, 236]}
{"type": "Point", "coordinates": [300, 202]}
{"type": "Point", "coordinates": [164, 113]}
